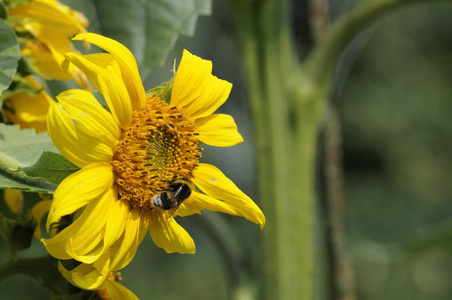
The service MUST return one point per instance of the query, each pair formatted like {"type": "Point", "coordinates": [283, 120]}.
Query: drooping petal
{"type": "Point", "coordinates": [115, 290]}
{"type": "Point", "coordinates": [218, 130]}
{"type": "Point", "coordinates": [100, 229]}
{"type": "Point", "coordinates": [80, 141]}
{"type": "Point", "coordinates": [124, 250]}
{"type": "Point", "coordinates": [196, 89]}
{"type": "Point", "coordinates": [61, 246]}
{"type": "Point", "coordinates": [92, 64]}
{"type": "Point", "coordinates": [127, 63]}
{"type": "Point", "coordinates": [83, 239]}
{"type": "Point", "coordinates": [79, 189]}
{"type": "Point", "coordinates": [116, 222]}
{"type": "Point", "coordinates": [115, 93]}
{"type": "Point", "coordinates": [215, 184]}
{"type": "Point", "coordinates": [86, 276]}
{"type": "Point", "coordinates": [38, 211]}
{"type": "Point", "coordinates": [170, 236]}
{"type": "Point", "coordinates": [199, 201]}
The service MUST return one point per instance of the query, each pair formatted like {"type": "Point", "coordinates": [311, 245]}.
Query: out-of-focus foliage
{"type": "Point", "coordinates": [147, 28]}
{"type": "Point", "coordinates": [394, 93]}
{"type": "Point", "coordinates": [9, 55]}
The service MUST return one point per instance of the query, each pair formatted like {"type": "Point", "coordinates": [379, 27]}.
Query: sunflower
{"type": "Point", "coordinates": [133, 154]}
{"type": "Point", "coordinates": [51, 25]}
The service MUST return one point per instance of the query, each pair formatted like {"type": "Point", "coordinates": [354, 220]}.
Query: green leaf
{"type": "Point", "coordinates": [147, 28]}
{"type": "Point", "coordinates": [51, 166]}
{"type": "Point", "coordinates": [20, 149]}
{"type": "Point", "coordinates": [163, 90]}
{"type": "Point", "coordinates": [9, 55]}
{"type": "Point", "coordinates": [166, 20]}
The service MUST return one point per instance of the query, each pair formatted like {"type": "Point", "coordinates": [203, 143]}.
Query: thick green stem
{"type": "Point", "coordinates": [287, 100]}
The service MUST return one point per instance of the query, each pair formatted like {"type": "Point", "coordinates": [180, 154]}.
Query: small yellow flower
{"type": "Point", "coordinates": [14, 200]}
{"type": "Point", "coordinates": [29, 111]}
{"type": "Point", "coordinates": [110, 289]}
{"type": "Point", "coordinates": [51, 24]}
{"type": "Point", "coordinates": [131, 155]}
{"type": "Point", "coordinates": [38, 211]}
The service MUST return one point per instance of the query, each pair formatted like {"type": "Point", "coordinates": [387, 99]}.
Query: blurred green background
{"type": "Point", "coordinates": [393, 93]}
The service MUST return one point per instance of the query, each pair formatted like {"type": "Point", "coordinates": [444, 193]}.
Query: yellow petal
{"type": "Point", "coordinates": [84, 108]}
{"type": "Point", "coordinates": [102, 225]}
{"type": "Point", "coordinates": [85, 229]}
{"type": "Point", "coordinates": [52, 24]}
{"type": "Point", "coordinates": [51, 15]}
{"type": "Point", "coordinates": [82, 141]}
{"type": "Point", "coordinates": [135, 230]}
{"type": "Point", "coordinates": [215, 184]}
{"type": "Point", "coordinates": [170, 236]}
{"type": "Point", "coordinates": [44, 61]}
{"type": "Point", "coordinates": [92, 65]}
{"type": "Point", "coordinates": [83, 240]}
{"type": "Point", "coordinates": [196, 89]}
{"type": "Point", "coordinates": [116, 222]}
{"type": "Point", "coordinates": [86, 276]}
{"type": "Point", "coordinates": [79, 189]}
{"type": "Point", "coordinates": [38, 211]}
{"type": "Point", "coordinates": [198, 201]}
{"type": "Point", "coordinates": [115, 93]}
{"type": "Point", "coordinates": [29, 111]}
{"type": "Point", "coordinates": [117, 291]}
{"type": "Point", "coordinates": [127, 63]}
{"type": "Point", "coordinates": [14, 200]}
{"type": "Point", "coordinates": [218, 130]}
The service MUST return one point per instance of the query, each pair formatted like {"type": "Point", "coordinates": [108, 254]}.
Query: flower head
{"type": "Point", "coordinates": [139, 162]}
{"type": "Point", "coordinates": [51, 25]}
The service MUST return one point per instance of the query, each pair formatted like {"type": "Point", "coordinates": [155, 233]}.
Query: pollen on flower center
{"type": "Point", "coordinates": [160, 145]}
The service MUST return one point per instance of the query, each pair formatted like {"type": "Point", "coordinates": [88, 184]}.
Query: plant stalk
{"type": "Point", "coordinates": [287, 99]}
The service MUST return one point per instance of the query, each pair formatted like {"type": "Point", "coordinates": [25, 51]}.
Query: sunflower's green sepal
{"type": "Point", "coordinates": [3, 11]}
{"type": "Point", "coordinates": [163, 90]}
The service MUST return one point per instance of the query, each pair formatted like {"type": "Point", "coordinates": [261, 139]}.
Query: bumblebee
{"type": "Point", "coordinates": [172, 197]}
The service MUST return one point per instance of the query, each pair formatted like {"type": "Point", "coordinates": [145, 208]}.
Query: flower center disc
{"type": "Point", "coordinates": [160, 145]}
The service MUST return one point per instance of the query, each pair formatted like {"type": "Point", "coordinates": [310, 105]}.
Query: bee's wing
{"type": "Point", "coordinates": [173, 210]}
